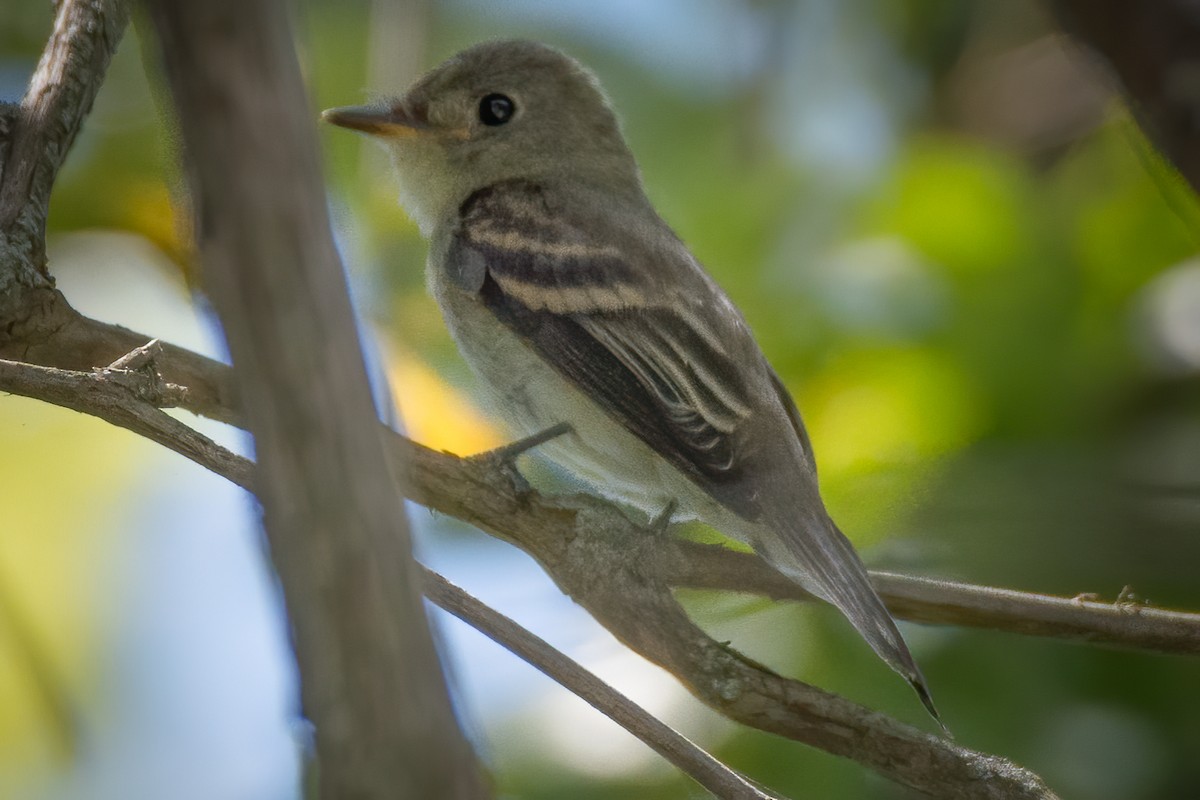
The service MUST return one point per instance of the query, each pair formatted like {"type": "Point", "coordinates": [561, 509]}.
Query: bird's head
{"type": "Point", "coordinates": [496, 111]}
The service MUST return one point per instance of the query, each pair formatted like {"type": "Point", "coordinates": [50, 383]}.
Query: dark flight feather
{"type": "Point", "coordinates": [644, 364]}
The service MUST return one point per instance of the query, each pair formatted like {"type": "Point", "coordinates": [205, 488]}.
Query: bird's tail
{"type": "Point", "coordinates": [819, 557]}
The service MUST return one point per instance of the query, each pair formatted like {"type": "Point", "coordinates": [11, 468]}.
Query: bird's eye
{"type": "Point", "coordinates": [496, 109]}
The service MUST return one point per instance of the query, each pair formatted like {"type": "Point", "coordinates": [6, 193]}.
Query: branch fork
{"type": "Point", "coordinates": [137, 372]}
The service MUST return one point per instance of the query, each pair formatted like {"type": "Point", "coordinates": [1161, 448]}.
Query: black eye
{"type": "Point", "coordinates": [496, 109]}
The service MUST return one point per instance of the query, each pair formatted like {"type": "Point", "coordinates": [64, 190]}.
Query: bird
{"type": "Point", "coordinates": [577, 306]}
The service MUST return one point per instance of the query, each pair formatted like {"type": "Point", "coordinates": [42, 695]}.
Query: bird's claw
{"type": "Point", "coordinates": [505, 456]}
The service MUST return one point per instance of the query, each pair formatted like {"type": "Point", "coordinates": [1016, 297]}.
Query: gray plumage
{"type": "Point", "coordinates": [573, 301]}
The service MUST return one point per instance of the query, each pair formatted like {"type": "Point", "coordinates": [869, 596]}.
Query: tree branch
{"type": "Point", "coordinates": [664, 740]}
{"type": "Point", "coordinates": [608, 564]}
{"type": "Point", "coordinates": [58, 97]}
{"type": "Point", "coordinates": [575, 550]}
{"type": "Point", "coordinates": [682, 563]}
{"type": "Point", "coordinates": [370, 676]}
{"type": "Point", "coordinates": [131, 400]}
{"type": "Point", "coordinates": [1129, 625]}
{"type": "Point", "coordinates": [37, 325]}
{"type": "Point", "coordinates": [34, 139]}
{"type": "Point", "coordinates": [56, 335]}
{"type": "Point", "coordinates": [595, 554]}
{"type": "Point", "coordinates": [128, 399]}
{"type": "Point", "coordinates": [704, 566]}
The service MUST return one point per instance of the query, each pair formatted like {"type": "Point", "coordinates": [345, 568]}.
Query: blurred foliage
{"type": "Point", "coordinates": [967, 316]}
{"type": "Point", "coordinates": [56, 574]}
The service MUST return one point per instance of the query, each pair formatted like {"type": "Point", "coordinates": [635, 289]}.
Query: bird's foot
{"type": "Point", "coordinates": [505, 456]}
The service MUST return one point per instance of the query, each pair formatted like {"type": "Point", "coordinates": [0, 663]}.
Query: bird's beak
{"type": "Point", "coordinates": [390, 121]}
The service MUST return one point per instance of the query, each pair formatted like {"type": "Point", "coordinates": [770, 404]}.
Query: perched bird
{"type": "Point", "coordinates": [575, 303]}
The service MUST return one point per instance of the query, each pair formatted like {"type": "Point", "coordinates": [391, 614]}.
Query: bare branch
{"type": "Point", "coordinates": [664, 740]}
{"type": "Point", "coordinates": [54, 334]}
{"type": "Point", "coordinates": [37, 325]}
{"type": "Point", "coordinates": [1123, 623]}
{"type": "Point", "coordinates": [1128, 625]}
{"type": "Point", "coordinates": [692, 565]}
{"type": "Point", "coordinates": [701, 566]}
{"type": "Point", "coordinates": [473, 490]}
{"type": "Point", "coordinates": [135, 397]}
{"type": "Point", "coordinates": [607, 564]}
{"type": "Point", "coordinates": [129, 400]}
{"type": "Point", "coordinates": [371, 680]}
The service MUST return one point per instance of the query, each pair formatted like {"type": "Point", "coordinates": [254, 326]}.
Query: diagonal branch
{"type": "Point", "coordinates": [131, 400]}
{"type": "Point", "coordinates": [700, 566]}
{"type": "Point", "coordinates": [605, 562]}
{"type": "Point", "coordinates": [370, 677]}
{"type": "Point", "coordinates": [675, 748]}
{"type": "Point", "coordinates": [56, 335]}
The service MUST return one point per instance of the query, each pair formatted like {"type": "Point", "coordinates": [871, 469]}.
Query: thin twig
{"type": "Point", "coordinates": [56, 335]}
{"type": "Point", "coordinates": [1132, 626]}
{"type": "Point", "coordinates": [125, 404]}
{"type": "Point", "coordinates": [664, 740]}
{"type": "Point", "coordinates": [1129, 624]}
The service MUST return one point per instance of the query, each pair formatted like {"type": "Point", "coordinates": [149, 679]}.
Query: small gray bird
{"type": "Point", "coordinates": [575, 303]}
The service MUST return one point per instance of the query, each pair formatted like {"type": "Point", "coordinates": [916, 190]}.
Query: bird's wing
{"type": "Point", "coordinates": [603, 320]}
{"type": "Point", "coordinates": [793, 413]}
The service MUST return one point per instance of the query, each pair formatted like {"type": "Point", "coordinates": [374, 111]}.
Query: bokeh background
{"type": "Point", "coordinates": [962, 256]}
